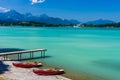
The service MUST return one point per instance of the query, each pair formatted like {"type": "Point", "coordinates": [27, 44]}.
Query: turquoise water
{"type": "Point", "coordinates": [94, 51]}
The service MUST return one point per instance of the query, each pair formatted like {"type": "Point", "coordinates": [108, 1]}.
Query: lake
{"type": "Point", "coordinates": [92, 51]}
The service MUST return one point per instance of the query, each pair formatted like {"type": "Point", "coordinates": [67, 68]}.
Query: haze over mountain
{"type": "Point", "coordinates": [14, 16]}
{"type": "Point", "coordinates": [100, 21]}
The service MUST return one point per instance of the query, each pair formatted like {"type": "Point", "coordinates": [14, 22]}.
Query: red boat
{"type": "Point", "coordinates": [48, 71]}
{"type": "Point", "coordinates": [27, 64]}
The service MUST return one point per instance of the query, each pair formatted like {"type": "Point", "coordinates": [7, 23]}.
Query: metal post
{"type": "Point", "coordinates": [4, 57]}
{"type": "Point", "coordinates": [43, 54]}
{"type": "Point", "coordinates": [18, 56]}
{"type": "Point", "coordinates": [32, 55]}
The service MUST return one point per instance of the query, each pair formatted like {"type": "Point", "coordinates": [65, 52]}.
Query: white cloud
{"type": "Point", "coordinates": [2, 9]}
{"type": "Point", "coordinates": [37, 1]}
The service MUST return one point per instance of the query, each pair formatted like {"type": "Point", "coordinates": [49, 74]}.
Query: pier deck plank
{"type": "Point", "coordinates": [25, 51]}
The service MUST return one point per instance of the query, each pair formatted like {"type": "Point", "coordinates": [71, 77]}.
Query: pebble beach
{"type": "Point", "coordinates": [13, 73]}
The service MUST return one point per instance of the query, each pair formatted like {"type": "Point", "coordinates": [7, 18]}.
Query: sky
{"type": "Point", "coordinates": [82, 10]}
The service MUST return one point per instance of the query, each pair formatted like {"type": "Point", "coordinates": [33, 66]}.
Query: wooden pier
{"type": "Point", "coordinates": [19, 53]}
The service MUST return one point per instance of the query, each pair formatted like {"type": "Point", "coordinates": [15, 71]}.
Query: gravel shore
{"type": "Point", "coordinates": [13, 73]}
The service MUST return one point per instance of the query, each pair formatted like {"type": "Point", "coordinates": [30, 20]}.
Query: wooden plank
{"type": "Point", "coordinates": [20, 52]}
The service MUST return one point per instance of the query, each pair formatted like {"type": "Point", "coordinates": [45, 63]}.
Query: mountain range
{"type": "Point", "coordinates": [100, 22]}
{"type": "Point", "coordinates": [14, 16]}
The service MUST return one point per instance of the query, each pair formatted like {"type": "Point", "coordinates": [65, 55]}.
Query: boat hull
{"type": "Point", "coordinates": [22, 65]}
{"type": "Point", "coordinates": [48, 72]}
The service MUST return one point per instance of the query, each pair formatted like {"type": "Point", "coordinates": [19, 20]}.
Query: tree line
{"type": "Point", "coordinates": [37, 24]}
{"type": "Point", "coordinates": [30, 23]}
{"type": "Point", "coordinates": [113, 25]}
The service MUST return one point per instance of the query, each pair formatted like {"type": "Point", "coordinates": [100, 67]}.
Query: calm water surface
{"type": "Point", "coordinates": [93, 51]}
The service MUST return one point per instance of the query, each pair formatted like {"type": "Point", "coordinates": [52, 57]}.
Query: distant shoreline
{"type": "Point", "coordinates": [36, 24]}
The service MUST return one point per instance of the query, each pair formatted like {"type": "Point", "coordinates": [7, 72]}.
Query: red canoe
{"type": "Point", "coordinates": [48, 71]}
{"type": "Point", "coordinates": [27, 64]}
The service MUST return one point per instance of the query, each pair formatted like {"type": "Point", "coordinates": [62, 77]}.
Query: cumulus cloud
{"type": "Point", "coordinates": [37, 1]}
{"type": "Point", "coordinates": [2, 9]}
